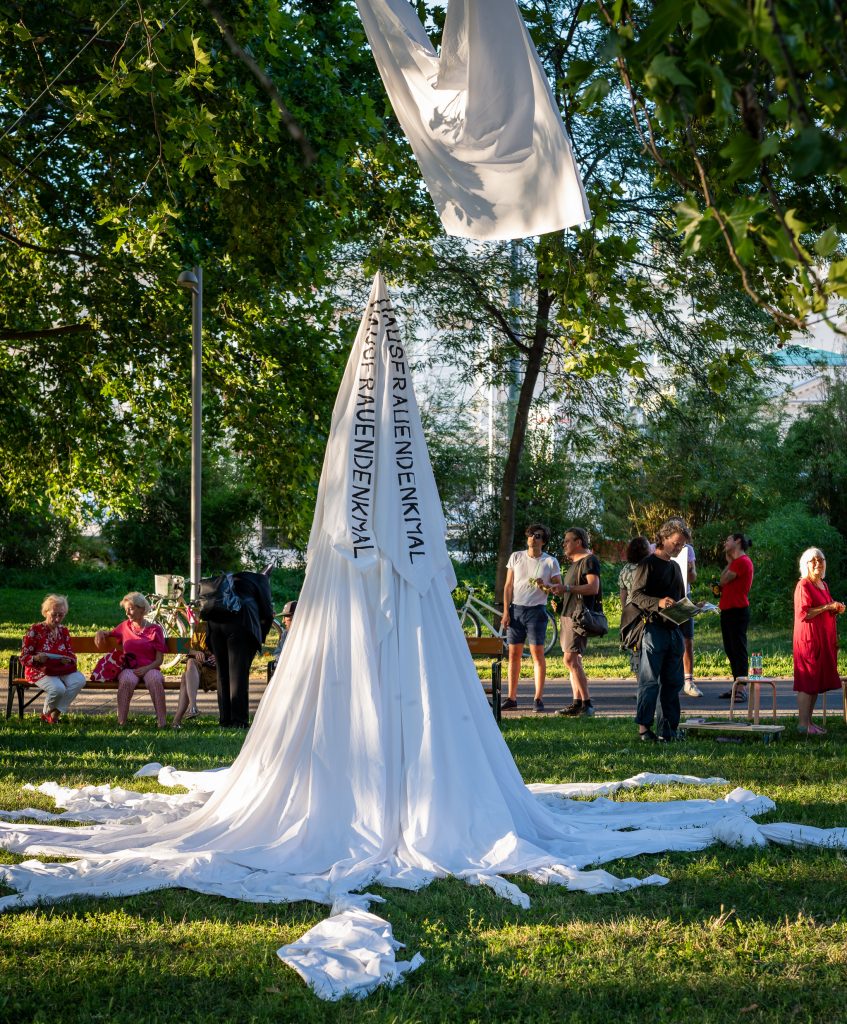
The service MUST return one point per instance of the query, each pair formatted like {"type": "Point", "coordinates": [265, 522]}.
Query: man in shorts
{"type": "Point", "coordinates": [581, 586]}
{"type": "Point", "coordinates": [530, 576]}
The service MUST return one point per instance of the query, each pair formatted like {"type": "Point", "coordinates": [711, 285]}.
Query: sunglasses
{"type": "Point", "coordinates": [537, 535]}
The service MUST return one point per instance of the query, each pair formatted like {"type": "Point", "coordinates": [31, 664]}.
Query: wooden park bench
{"type": "Point", "coordinates": [479, 647]}
{"type": "Point", "coordinates": [492, 646]}
{"type": "Point", "coordinates": [81, 645]}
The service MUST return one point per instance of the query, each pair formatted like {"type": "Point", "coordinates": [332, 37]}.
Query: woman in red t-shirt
{"type": "Point", "coordinates": [815, 641]}
{"type": "Point", "coordinates": [736, 580]}
{"type": "Point", "coordinates": [144, 647]}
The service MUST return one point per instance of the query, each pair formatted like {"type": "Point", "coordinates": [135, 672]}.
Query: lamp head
{"type": "Point", "coordinates": [188, 279]}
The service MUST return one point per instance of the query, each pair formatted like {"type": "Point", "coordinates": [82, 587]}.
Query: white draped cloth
{"type": "Point", "coordinates": [374, 757]}
{"type": "Point", "coordinates": [481, 119]}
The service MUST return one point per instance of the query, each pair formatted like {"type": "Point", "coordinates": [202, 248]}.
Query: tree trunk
{"type": "Point", "coordinates": [508, 492]}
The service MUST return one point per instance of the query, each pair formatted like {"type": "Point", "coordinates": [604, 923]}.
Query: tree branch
{"type": "Point", "coordinates": [288, 119]}
{"type": "Point", "coordinates": [44, 332]}
{"type": "Point", "coordinates": [490, 307]}
{"type": "Point", "coordinates": [81, 254]}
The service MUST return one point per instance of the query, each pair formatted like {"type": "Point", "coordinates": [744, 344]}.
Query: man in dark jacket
{"type": "Point", "coordinates": [656, 586]}
{"type": "Point", "coordinates": [236, 641]}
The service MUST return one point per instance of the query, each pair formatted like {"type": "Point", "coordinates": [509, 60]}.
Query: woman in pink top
{"type": "Point", "coordinates": [815, 641]}
{"type": "Point", "coordinates": [144, 647]}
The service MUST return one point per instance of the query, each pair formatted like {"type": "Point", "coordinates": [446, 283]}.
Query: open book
{"type": "Point", "coordinates": [684, 610]}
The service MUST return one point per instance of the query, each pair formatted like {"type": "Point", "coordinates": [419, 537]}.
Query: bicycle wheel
{"type": "Point", "coordinates": [174, 624]}
{"type": "Point", "coordinates": [552, 634]}
{"type": "Point", "coordinates": [470, 623]}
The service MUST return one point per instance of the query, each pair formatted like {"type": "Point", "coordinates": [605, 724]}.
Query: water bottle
{"type": "Point", "coordinates": [756, 664]}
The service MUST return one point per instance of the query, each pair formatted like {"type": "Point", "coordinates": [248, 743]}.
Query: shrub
{"type": "Point", "coordinates": [778, 542]}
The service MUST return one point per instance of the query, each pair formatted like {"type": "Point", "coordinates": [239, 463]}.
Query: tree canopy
{"type": "Point", "coordinates": [255, 138]}
{"type": "Point", "coordinates": [155, 149]}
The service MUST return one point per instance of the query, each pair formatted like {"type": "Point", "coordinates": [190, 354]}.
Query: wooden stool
{"type": "Point", "coordinates": [753, 695]}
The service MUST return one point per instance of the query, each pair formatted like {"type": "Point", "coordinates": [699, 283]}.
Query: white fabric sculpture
{"type": "Point", "coordinates": [481, 119]}
{"type": "Point", "coordinates": [374, 757]}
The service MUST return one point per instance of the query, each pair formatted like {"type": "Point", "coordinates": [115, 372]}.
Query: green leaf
{"type": "Point", "coordinates": [594, 93]}
{"type": "Point", "coordinates": [700, 19]}
{"type": "Point", "coordinates": [663, 66]}
{"type": "Point", "coordinates": [22, 32]}
{"type": "Point", "coordinates": [837, 277]}
{"type": "Point", "coordinates": [200, 55]}
{"type": "Point", "coordinates": [826, 243]}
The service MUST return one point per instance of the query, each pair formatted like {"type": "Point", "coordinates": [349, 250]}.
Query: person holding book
{"type": "Point", "coordinates": [656, 587]}
{"type": "Point", "coordinates": [200, 670]}
{"type": "Point", "coordinates": [48, 659]}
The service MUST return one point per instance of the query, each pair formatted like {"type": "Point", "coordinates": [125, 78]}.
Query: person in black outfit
{"type": "Point", "coordinates": [657, 584]}
{"type": "Point", "coordinates": [236, 642]}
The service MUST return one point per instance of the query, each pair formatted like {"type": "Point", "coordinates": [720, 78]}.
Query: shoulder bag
{"type": "Point", "coordinates": [633, 621]}
{"type": "Point", "coordinates": [590, 622]}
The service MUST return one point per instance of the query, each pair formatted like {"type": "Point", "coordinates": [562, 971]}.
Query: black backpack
{"type": "Point", "coordinates": [217, 599]}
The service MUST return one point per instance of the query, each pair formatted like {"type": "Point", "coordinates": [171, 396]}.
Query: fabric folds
{"type": "Point", "coordinates": [374, 757]}
{"type": "Point", "coordinates": [481, 118]}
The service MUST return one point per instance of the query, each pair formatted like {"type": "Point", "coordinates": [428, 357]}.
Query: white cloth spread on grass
{"type": "Point", "coordinates": [374, 757]}
{"type": "Point", "coordinates": [350, 953]}
{"type": "Point", "coordinates": [481, 119]}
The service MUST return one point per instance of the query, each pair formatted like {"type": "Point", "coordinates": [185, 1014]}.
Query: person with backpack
{"type": "Point", "coordinates": [239, 612]}
{"type": "Point", "coordinates": [656, 586]}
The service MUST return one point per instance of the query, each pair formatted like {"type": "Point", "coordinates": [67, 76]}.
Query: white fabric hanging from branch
{"type": "Point", "coordinates": [481, 119]}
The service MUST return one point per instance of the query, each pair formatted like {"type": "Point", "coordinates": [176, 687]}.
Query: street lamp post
{"type": "Point", "coordinates": [194, 282]}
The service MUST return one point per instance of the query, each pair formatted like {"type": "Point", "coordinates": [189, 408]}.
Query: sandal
{"type": "Point", "coordinates": [811, 730]}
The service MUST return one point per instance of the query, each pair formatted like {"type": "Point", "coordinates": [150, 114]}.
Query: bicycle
{"type": "Point", "coordinates": [173, 613]}
{"type": "Point", "coordinates": [473, 619]}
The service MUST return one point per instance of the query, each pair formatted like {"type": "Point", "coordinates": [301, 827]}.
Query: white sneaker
{"type": "Point", "coordinates": [691, 689]}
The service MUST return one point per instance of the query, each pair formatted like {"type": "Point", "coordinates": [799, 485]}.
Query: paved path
{"type": "Point", "coordinates": [611, 697]}
{"type": "Point", "coordinates": [616, 697]}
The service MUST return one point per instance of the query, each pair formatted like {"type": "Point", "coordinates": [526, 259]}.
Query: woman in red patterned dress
{"type": "Point", "coordinates": [144, 646]}
{"type": "Point", "coordinates": [48, 659]}
{"type": "Point", "coordinates": [815, 641]}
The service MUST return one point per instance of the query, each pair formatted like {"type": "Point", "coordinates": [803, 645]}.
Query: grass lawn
{"type": "Point", "coordinates": [737, 935]}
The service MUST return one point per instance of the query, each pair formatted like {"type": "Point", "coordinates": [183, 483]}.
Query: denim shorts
{"type": "Point", "coordinates": [527, 623]}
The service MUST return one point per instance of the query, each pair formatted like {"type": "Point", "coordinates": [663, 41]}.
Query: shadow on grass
{"type": "Point", "coordinates": [706, 952]}
{"type": "Point", "coordinates": [734, 929]}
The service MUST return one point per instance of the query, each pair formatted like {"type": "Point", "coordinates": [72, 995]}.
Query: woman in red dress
{"type": "Point", "coordinates": [815, 641]}
{"type": "Point", "coordinates": [144, 646]}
